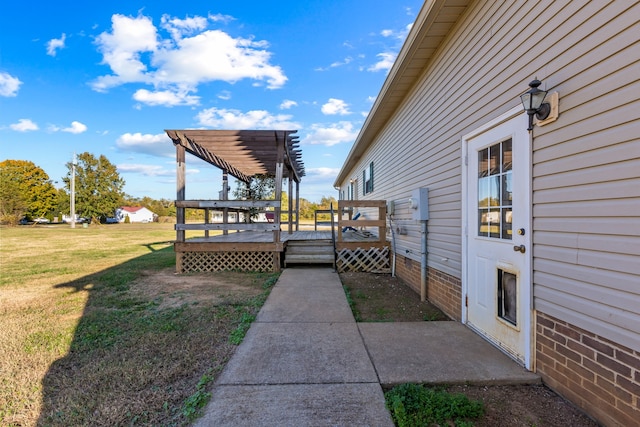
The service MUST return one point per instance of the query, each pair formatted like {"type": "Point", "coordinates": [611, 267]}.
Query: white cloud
{"type": "Point", "coordinates": [287, 104]}
{"type": "Point", "coordinates": [400, 35]}
{"type": "Point", "coordinates": [335, 106]}
{"type": "Point", "coordinates": [24, 125]}
{"type": "Point", "coordinates": [225, 95]}
{"type": "Point", "coordinates": [121, 50]}
{"type": "Point", "coordinates": [179, 27]}
{"type": "Point", "coordinates": [156, 145]}
{"type": "Point", "coordinates": [336, 133]}
{"type": "Point", "coordinates": [54, 44]}
{"type": "Point", "coordinates": [345, 61]}
{"type": "Point", "coordinates": [191, 55]}
{"type": "Point", "coordinates": [220, 118]}
{"type": "Point", "coordinates": [9, 85]}
{"type": "Point", "coordinates": [166, 98]}
{"type": "Point", "coordinates": [322, 173]}
{"type": "Point", "coordinates": [336, 64]}
{"type": "Point", "coordinates": [385, 62]}
{"type": "Point", "coordinates": [221, 18]}
{"type": "Point", "coordinates": [76, 127]}
{"type": "Point", "coordinates": [388, 57]}
{"type": "Point", "coordinates": [146, 170]}
{"type": "Point", "coordinates": [215, 55]}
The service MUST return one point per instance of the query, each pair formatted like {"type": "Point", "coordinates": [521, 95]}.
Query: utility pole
{"type": "Point", "coordinates": [74, 162]}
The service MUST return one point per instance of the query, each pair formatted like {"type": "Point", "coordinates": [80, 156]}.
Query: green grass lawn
{"type": "Point", "coordinates": [91, 334]}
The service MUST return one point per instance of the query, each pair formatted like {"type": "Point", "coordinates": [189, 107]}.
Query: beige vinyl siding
{"type": "Point", "coordinates": [420, 146]}
{"type": "Point", "coordinates": [586, 165]}
{"type": "Point", "coordinates": [586, 182]}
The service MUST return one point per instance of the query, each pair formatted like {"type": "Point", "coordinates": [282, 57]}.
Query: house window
{"type": "Point", "coordinates": [367, 179]}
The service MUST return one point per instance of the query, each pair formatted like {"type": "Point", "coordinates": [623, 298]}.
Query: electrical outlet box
{"type": "Point", "coordinates": [419, 204]}
{"type": "Point", "coordinates": [391, 207]}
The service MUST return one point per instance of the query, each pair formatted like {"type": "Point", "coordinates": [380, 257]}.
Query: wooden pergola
{"type": "Point", "coordinates": [243, 154]}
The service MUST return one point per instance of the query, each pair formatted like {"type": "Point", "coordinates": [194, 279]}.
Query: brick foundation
{"type": "Point", "coordinates": [443, 291]}
{"type": "Point", "coordinates": [599, 376]}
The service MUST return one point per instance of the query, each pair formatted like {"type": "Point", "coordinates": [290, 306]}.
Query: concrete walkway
{"type": "Point", "coordinates": [305, 361]}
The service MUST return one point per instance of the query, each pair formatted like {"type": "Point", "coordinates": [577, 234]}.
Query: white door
{"type": "Point", "coordinates": [498, 235]}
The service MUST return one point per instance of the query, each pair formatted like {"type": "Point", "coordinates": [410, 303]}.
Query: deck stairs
{"type": "Point", "coordinates": [309, 252]}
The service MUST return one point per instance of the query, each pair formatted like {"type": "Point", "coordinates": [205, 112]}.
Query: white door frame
{"type": "Point", "coordinates": [527, 302]}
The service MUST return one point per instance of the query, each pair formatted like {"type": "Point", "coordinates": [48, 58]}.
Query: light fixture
{"type": "Point", "coordinates": [532, 101]}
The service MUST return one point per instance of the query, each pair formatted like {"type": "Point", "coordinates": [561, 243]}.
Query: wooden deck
{"type": "Point", "coordinates": [262, 246]}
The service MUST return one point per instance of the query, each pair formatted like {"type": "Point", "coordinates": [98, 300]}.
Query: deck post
{"type": "Point", "coordinates": [225, 196]}
{"type": "Point", "coordinates": [290, 200]}
{"type": "Point", "coordinates": [276, 262]}
{"type": "Point", "coordinates": [297, 206]}
{"type": "Point", "coordinates": [340, 219]}
{"type": "Point", "coordinates": [180, 195]}
{"type": "Point", "coordinates": [179, 256]}
{"type": "Point", "coordinates": [279, 177]}
{"type": "Point", "coordinates": [206, 221]}
{"type": "Point", "coordinates": [180, 188]}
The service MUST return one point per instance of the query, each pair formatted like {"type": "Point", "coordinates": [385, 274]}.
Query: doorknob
{"type": "Point", "coordinates": [520, 248]}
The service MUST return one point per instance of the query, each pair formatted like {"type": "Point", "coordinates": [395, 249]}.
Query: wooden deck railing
{"type": "Point", "coordinates": [323, 212]}
{"type": "Point", "coordinates": [226, 206]}
{"type": "Point", "coordinates": [367, 208]}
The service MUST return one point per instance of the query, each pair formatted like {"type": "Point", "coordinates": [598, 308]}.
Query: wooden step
{"type": "Point", "coordinates": [309, 252]}
{"type": "Point", "coordinates": [309, 259]}
{"type": "Point", "coordinates": [298, 243]}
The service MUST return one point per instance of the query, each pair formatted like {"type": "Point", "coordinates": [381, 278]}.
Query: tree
{"type": "Point", "coordinates": [261, 187]}
{"type": "Point", "coordinates": [307, 209]}
{"type": "Point", "coordinates": [98, 186]}
{"type": "Point", "coordinates": [63, 202]}
{"type": "Point", "coordinates": [326, 202]}
{"type": "Point", "coordinates": [25, 190]}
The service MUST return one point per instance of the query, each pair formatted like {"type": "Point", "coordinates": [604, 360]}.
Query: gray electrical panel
{"type": "Point", "coordinates": [419, 204]}
{"type": "Point", "coordinates": [391, 207]}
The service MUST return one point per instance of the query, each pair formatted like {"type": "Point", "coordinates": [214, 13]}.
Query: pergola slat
{"type": "Point", "coordinates": [244, 153]}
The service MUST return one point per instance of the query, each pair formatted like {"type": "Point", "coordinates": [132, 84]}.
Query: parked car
{"type": "Point", "coordinates": [111, 220]}
{"type": "Point", "coordinates": [41, 221]}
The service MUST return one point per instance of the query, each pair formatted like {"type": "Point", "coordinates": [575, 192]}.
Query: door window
{"type": "Point", "coordinates": [495, 191]}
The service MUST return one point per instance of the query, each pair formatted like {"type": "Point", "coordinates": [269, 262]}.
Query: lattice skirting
{"type": "Point", "coordinates": [193, 262]}
{"type": "Point", "coordinates": [373, 260]}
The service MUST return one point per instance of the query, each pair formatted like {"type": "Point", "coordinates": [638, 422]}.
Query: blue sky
{"type": "Point", "coordinates": [110, 77]}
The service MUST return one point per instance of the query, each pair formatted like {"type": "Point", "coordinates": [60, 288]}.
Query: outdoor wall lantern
{"type": "Point", "coordinates": [532, 101]}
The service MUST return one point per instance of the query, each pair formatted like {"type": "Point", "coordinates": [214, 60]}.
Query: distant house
{"type": "Point", "coordinates": [217, 217]}
{"type": "Point", "coordinates": [531, 237]}
{"type": "Point", "coordinates": [135, 214]}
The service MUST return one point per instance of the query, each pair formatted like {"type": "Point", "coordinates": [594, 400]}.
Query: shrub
{"type": "Point", "coordinates": [416, 405]}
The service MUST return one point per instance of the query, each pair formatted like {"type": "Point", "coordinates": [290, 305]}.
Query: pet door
{"type": "Point", "coordinates": [507, 297]}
